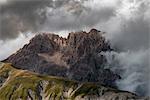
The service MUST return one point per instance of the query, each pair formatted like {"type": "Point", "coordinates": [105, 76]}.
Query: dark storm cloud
{"type": "Point", "coordinates": [48, 15]}
{"type": "Point", "coordinates": [19, 16]}
{"type": "Point", "coordinates": [77, 20]}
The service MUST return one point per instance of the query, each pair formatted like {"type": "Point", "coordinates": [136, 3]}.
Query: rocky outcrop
{"type": "Point", "coordinates": [76, 57]}
{"type": "Point", "coordinates": [20, 84]}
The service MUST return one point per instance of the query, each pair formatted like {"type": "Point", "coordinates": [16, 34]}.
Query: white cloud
{"type": "Point", "coordinates": [133, 66]}
{"type": "Point", "coordinates": [3, 1]}
{"type": "Point", "coordinates": [9, 47]}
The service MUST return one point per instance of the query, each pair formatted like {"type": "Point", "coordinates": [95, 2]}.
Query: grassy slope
{"type": "Point", "coordinates": [16, 83]}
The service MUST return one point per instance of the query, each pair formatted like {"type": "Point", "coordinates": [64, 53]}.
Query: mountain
{"type": "Point", "coordinates": [17, 84]}
{"type": "Point", "coordinates": [77, 57]}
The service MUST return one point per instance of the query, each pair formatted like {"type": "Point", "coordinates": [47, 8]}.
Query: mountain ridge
{"type": "Point", "coordinates": [76, 57]}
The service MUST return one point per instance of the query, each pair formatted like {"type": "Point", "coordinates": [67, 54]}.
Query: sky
{"type": "Point", "coordinates": [126, 23]}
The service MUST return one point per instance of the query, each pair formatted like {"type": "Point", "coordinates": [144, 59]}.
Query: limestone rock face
{"type": "Point", "coordinates": [76, 57]}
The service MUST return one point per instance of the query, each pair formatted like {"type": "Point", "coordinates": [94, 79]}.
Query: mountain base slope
{"type": "Point", "coordinates": [16, 84]}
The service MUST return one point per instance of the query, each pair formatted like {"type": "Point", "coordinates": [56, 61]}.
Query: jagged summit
{"type": "Point", "coordinates": [76, 57]}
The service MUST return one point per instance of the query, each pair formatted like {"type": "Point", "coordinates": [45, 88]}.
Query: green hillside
{"type": "Point", "coordinates": [16, 84]}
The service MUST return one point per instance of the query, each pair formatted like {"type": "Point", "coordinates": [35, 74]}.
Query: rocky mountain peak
{"type": "Point", "coordinates": [76, 57]}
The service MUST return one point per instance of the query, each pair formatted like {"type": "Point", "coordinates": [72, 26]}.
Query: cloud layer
{"type": "Point", "coordinates": [50, 15]}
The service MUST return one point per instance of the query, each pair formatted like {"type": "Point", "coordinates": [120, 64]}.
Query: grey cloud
{"type": "Point", "coordinates": [131, 30]}
{"type": "Point", "coordinates": [48, 15]}
{"type": "Point", "coordinates": [136, 31]}
{"type": "Point", "coordinates": [134, 35]}
{"type": "Point", "coordinates": [133, 68]}
{"type": "Point", "coordinates": [77, 20]}
{"type": "Point", "coordinates": [19, 16]}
